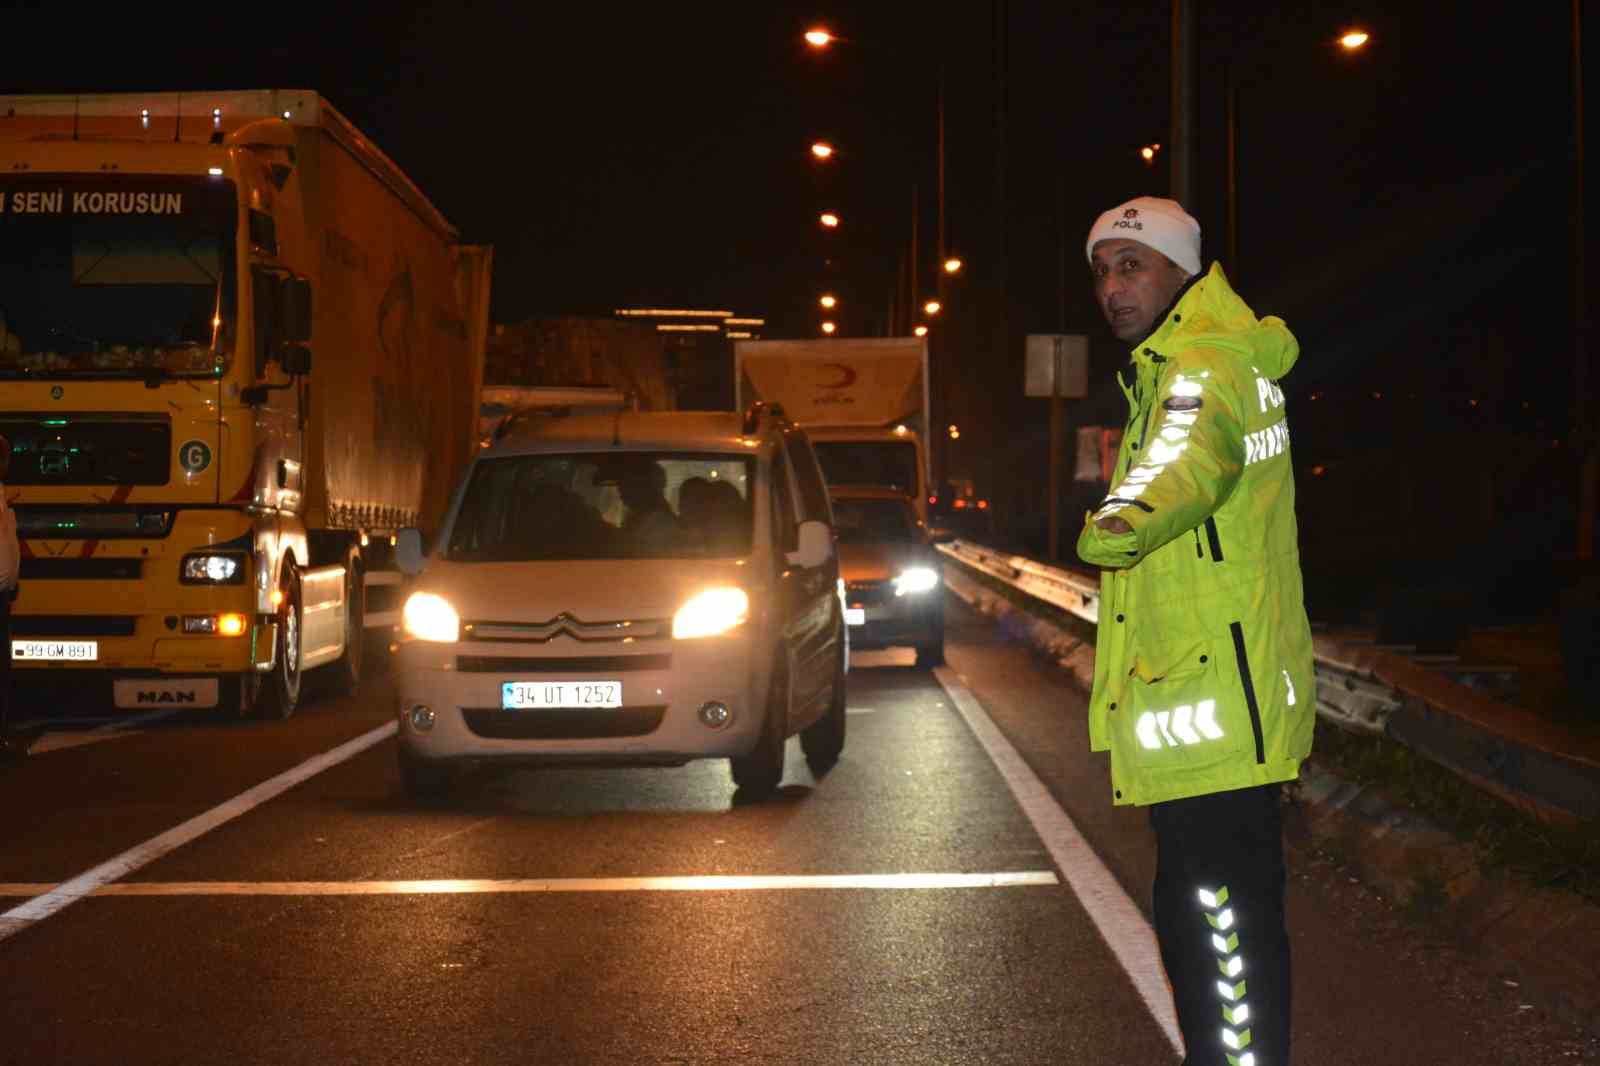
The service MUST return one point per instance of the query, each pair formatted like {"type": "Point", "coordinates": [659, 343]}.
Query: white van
{"type": "Point", "coordinates": [627, 588]}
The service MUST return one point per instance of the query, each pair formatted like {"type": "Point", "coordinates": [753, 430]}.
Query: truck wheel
{"type": "Point", "coordinates": [758, 774]}
{"type": "Point", "coordinates": [347, 671]}
{"type": "Point", "coordinates": [280, 688]}
{"type": "Point", "coordinates": [823, 740]}
{"type": "Point", "coordinates": [931, 654]}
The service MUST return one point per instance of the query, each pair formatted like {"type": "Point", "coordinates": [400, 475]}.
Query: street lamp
{"type": "Point", "coordinates": [1148, 154]}
{"type": "Point", "coordinates": [933, 307]}
{"type": "Point", "coordinates": [829, 219]}
{"type": "Point", "coordinates": [828, 301]}
{"type": "Point", "coordinates": [1353, 40]}
{"type": "Point", "coordinates": [921, 331]}
{"type": "Point", "coordinates": [822, 150]}
{"type": "Point", "coordinates": [953, 265]}
{"type": "Point", "coordinates": [828, 327]}
{"type": "Point", "coordinates": [818, 37]}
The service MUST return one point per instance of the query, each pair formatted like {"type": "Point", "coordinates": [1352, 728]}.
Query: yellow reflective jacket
{"type": "Point", "coordinates": [1203, 664]}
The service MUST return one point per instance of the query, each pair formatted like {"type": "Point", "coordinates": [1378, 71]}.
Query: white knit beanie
{"type": "Point", "coordinates": [1161, 224]}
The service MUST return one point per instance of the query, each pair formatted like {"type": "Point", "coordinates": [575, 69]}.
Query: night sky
{"type": "Point", "coordinates": [1399, 207]}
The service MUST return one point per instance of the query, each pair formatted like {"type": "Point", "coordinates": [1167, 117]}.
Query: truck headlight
{"type": "Point", "coordinates": [212, 568]}
{"type": "Point", "coordinates": [714, 611]}
{"type": "Point", "coordinates": [916, 579]}
{"type": "Point", "coordinates": [430, 617]}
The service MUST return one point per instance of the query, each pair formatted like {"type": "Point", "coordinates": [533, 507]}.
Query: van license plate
{"type": "Point", "coordinates": [67, 651]}
{"type": "Point", "coordinates": [541, 695]}
{"type": "Point", "coordinates": [855, 616]}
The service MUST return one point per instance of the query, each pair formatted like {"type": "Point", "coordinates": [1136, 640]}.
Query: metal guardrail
{"type": "Point", "coordinates": [1530, 767]}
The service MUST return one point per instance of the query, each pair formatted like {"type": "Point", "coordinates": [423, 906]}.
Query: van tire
{"type": "Point", "coordinates": [759, 773]}
{"type": "Point", "coordinates": [423, 779]}
{"type": "Point", "coordinates": [823, 740]}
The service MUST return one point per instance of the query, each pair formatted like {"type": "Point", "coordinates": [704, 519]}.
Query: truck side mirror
{"type": "Point", "coordinates": [295, 308]}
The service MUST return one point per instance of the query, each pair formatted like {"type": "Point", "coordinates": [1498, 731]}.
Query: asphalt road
{"type": "Point", "coordinates": [907, 908]}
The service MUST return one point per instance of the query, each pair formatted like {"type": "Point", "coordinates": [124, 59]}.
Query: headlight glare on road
{"type": "Point", "coordinates": [430, 617]}
{"type": "Point", "coordinates": [916, 579]}
{"type": "Point", "coordinates": [714, 611]}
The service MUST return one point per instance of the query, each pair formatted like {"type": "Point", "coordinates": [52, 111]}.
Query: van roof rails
{"type": "Point", "coordinates": [754, 413]}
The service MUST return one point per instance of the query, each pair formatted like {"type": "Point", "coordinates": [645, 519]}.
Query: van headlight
{"type": "Point", "coordinates": [430, 617]}
{"type": "Point", "coordinates": [916, 579]}
{"type": "Point", "coordinates": [711, 612]}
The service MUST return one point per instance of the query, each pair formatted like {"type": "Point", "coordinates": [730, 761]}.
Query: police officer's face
{"type": "Point", "coordinates": [1133, 283]}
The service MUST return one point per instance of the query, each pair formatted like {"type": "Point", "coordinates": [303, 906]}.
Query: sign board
{"type": "Point", "coordinates": [1057, 365]}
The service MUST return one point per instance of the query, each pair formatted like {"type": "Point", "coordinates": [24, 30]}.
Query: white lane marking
{"type": "Point", "coordinates": [41, 907]}
{"type": "Point", "coordinates": [710, 883]}
{"type": "Point", "coordinates": [1118, 919]}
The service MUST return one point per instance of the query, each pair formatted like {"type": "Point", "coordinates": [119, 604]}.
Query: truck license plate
{"type": "Point", "coordinates": [69, 651]}
{"type": "Point", "coordinates": [540, 695]}
{"type": "Point", "coordinates": [855, 616]}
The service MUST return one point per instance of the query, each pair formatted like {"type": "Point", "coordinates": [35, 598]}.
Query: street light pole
{"type": "Point", "coordinates": [1182, 101]}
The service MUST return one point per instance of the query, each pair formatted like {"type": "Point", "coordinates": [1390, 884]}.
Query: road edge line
{"type": "Point", "coordinates": [1116, 917]}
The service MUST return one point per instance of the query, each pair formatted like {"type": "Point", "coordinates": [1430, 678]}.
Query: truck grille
{"type": "Point", "coordinates": [563, 724]}
{"type": "Point", "coordinates": [88, 448]}
{"type": "Point", "coordinates": [82, 569]}
{"type": "Point", "coordinates": [72, 625]}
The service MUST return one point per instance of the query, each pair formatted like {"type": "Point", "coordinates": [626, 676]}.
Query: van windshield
{"type": "Point", "coordinates": [115, 276]}
{"type": "Point", "coordinates": [615, 505]}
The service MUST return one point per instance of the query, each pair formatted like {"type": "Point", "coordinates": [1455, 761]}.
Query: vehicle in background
{"type": "Point", "coordinates": [960, 510]}
{"type": "Point", "coordinates": [637, 588]}
{"type": "Point", "coordinates": [499, 403]}
{"type": "Point", "coordinates": [201, 510]}
{"type": "Point", "coordinates": [893, 574]}
{"type": "Point", "coordinates": [862, 401]}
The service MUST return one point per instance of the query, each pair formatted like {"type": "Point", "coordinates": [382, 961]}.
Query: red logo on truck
{"type": "Point", "coordinates": [847, 376]}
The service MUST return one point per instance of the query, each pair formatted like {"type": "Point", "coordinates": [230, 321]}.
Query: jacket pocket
{"type": "Point", "coordinates": [1178, 714]}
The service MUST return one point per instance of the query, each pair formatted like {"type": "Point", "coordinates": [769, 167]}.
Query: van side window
{"type": "Point", "coordinates": [808, 475]}
{"type": "Point", "coordinates": [783, 517]}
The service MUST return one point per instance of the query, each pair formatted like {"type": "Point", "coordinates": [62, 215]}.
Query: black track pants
{"type": "Point", "coordinates": [1219, 920]}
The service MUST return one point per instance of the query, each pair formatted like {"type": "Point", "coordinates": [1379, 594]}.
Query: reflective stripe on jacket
{"type": "Point", "coordinates": [1203, 665]}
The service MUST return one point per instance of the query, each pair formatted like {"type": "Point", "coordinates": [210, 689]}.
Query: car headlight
{"type": "Point", "coordinates": [713, 611]}
{"type": "Point", "coordinates": [916, 579]}
{"type": "Point", "coordinates": [212, 568]}
{"type": "Point", "coordinates": [430, 617]}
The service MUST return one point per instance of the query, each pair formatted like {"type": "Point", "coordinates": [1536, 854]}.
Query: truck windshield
{"type": "Point", "coordinates": [115, 276]}
{"type": "Point", "coordinates": [859, 520]}
{"type": "Point", "coordinates": [616, 505]}
{"type": "Point", "coordinates": [851, 462]}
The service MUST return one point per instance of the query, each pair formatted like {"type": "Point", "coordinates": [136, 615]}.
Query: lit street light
{"type": "Point", "coordinates": [1353, 40]}
{"type": "Point", "coordinates": [1148, 153]}
{"type": "Point", "coordinates": [828, 301]}
{"type": "Point", "coordinates": [828, 327]}
{"type": "Point", "coordinates": [822, 150]}
{"type": "Point", "coordinates": [952, 265]}
{"type": "Point", "coordinates": [819, 38]}
{"type": "Point", "coordinates": [829, 219]}
{"type": "Point", "coordinates": [933, 307]}
{"type": "Point", "coordinates": [921, 331]}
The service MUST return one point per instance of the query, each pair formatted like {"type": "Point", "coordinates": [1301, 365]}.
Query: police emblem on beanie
{"type": "Point", "coordinates": [1151, 220]}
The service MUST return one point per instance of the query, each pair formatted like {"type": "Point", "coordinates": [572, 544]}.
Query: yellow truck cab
{"type": "Point", "coordinates": [238, 350]}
